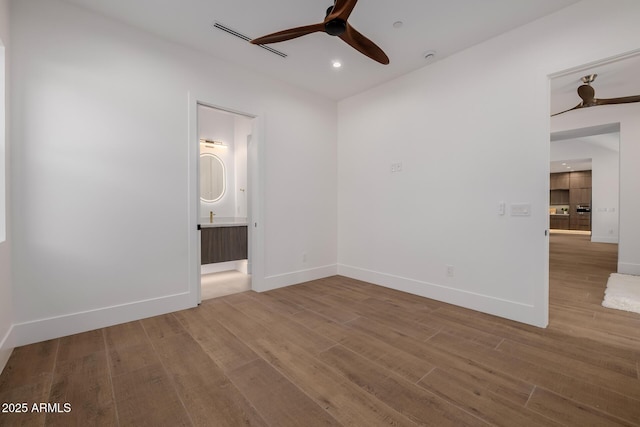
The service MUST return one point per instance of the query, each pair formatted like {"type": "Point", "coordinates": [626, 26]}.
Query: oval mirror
{"type": "Point", "coordinates": [212, 177]}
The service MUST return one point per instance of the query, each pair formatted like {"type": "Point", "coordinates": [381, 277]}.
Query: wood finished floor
{"type": "Point", "coordinates": [343, 352]}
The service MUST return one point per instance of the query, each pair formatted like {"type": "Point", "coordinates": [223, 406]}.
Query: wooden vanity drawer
{"type": "Point", "coordinates": [221, 244]}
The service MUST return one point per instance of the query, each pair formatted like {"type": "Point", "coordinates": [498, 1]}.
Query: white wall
{"type": "Point", "coordinates": [470, 130]}
{"type": "Point", "coordinates": [6, 299]}
{"type": "Point", "coordinates": [629, 211]}
{"type": "Point", "coordinates": [603, 150]}
{"type": "Point", "coordinates": [102, 228]}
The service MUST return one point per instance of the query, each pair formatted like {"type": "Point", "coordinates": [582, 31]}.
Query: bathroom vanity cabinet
{"type": "Point", "coordinates": [221, 244]}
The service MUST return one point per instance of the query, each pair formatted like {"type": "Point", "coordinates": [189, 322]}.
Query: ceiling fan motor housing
{"type": "Point", "coordinates": [335, 27]}
{"type": "Point", "coordinates": [587, 93]}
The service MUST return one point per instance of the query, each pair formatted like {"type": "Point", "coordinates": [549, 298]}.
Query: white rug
{"type": "Point", "coordinates": [623, 292]}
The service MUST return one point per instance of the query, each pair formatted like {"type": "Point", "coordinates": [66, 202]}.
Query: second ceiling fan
{"type": "Point", "coordinates": [335, 24]}
{"type": "Point", "coordinates": [588, 95]}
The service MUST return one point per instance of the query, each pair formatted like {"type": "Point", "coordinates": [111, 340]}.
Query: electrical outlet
{"type": "Point", "coordinates": [396, 167]}
{"type": "Point", "coordinates": [449, 270]}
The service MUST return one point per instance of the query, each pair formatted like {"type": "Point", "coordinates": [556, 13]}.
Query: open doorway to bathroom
{"type": "Point", "coordinates": [224, 146]}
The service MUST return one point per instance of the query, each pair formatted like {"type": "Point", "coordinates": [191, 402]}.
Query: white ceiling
{"type": "Point", "coordinates": [608, 141]}
{"type": "Point", "coordinates": [446, 26]}
{"type": "Point", "coordinates": [572, 165]}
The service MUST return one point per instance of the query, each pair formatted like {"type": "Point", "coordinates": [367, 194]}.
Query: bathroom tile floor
{"type": "Point", "coordinates": [224, 283]}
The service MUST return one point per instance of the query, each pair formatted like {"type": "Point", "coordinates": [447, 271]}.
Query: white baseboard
{"type": "Point", "coordinates": [603, 239]}
{"type": "Point", "coordinates": [74, 323]}
{"type": "Point", "coordinates": [512, 310]}
{"type": "Point", "coordinates": [628, 268]}
{"type": "Point", "coordinates": [59, 326]}
{"type": "Point", "coordinates": [293, 278]}
{"type": "Point", "coordinates": [218, 267]}
{"type": "Point", "coordinates": [6, 348]}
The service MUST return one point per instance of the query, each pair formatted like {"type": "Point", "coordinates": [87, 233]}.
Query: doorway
{"type": "Point", "coordinates": [224, 194]}
{"type": "Point", "coordinates": [585, 147]}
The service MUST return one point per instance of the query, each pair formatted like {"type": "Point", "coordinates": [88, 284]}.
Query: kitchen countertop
{"type": "Point", "coordinates": [567, 215]}
{"type": "Point", "coordinates": [222, 222]}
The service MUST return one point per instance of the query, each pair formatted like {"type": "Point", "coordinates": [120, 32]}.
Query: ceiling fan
{"type": "Point", "coordinates": [587, 93]}
{"type": "Point", "coordinates": [335, 24]}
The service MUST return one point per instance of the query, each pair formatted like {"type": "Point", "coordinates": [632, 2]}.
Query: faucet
{"type": "Point", "coordinates": [211, 214]}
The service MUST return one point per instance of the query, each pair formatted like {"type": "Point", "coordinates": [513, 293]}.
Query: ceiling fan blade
{"type": "Point", "coordinates": [289, 34]}
{"type": "Point", "coordinates": [570, 109]}
{"type": "Point", "coordinates": [621, 100]}
{"type": "Point", "coordinates": [363, 45]}
{"type": "Point", "coordinates": [341, 10]}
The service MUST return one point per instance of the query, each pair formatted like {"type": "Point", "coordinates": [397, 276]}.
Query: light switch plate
{"type": "Point", "coordinates": [501, 208]}
{"type": "Point", "coordinates": [521, 209]}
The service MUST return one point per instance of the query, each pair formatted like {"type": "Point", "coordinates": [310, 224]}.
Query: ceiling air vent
{"type": "Point", "coordinates": [228, 30]}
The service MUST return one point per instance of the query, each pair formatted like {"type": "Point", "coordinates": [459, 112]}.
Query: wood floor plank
{"type": "Point", "coordinates": [335, 285]}
{"type": "Point", "coordinates": [390, 294]}
{"type": "Point", "coordinates": [207, 393]}
{"type": "Point", "coordinates": [465, 331]}
{"type": "Point", "coordinates": [32, 392]}
{"type": "Point", "coordinates": [146, 398]}
{"type": "Point", "coordinates": [389, 334]}
{"type": "Point", "coordinates": [27, 378]}
{"type": "Point", "coordinates": [28, 364]}
{"type": "Point", "coordinates": [481, 402]}
{"type": "Point", "coordinates": [84, 383]}
{"type": "Point", "coordinates": [125, 334]}
{"type": "Point", "coordinates": [413, 402]}
{"type": "Point", "coordinates": [605, 399]}
{"type": "Point", "coordinates": [310, 301]}
{"type": "Point", "coordinates": [509, 387]}
{"type": "Point", "coordinates": [159, 327]}
{"type": "Point", "coordinates": [223, 347]}
{"type": "Point", "coordinates": [279, 401]}
{"type": "Point", "coordinates": [577, 325]}
{"type": "Point", "coordinates": [388, 314]}
{"type": "Point", "coordinates": [79, 345]}
{"type": "Point", "coordinates": [374, 349]}
{"type": "Point", "coordinates": [278, 305]}
{"type": "Point", "coordinates": [574, 368]}
{"type": "Point", "coordinates": [570, 413]}
{"type": "Point", "coordinates": [127, 359]}
{"type": "Point", "coordinates": [584, 349]}
{"type": "Point", "coordinates": [302, 336]}
{"type": "Point", "coordinates": [346, 402]}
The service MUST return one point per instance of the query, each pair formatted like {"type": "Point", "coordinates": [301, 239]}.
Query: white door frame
{"type": "Point", "coordinates": [255, 159]}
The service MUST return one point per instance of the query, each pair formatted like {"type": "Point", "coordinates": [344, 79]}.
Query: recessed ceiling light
{"type": "Point", "coordinates": [337, 64]}
{"type": "Point", "coordinates": [564, 164]}
{"type": "Point", "coordinates": [430, 55]}
{"type": "Point", "coordinates": [398, 24]}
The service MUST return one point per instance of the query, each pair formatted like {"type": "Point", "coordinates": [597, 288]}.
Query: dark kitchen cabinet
{"type": "Point", "coordinates": [559, 197]}
{"type": "Point", "coordinates": [579, 196]}
{"type": "Point", "coordinates": [573, 189]}
{"type": "Point", "coordinates": [580, 179]}
{"type": "Point", "coordinates": [583, 222]}
{"type": "Point", "coordinates": [559, 222]}
{"type": "Point", "coordinates": [559, 181]}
